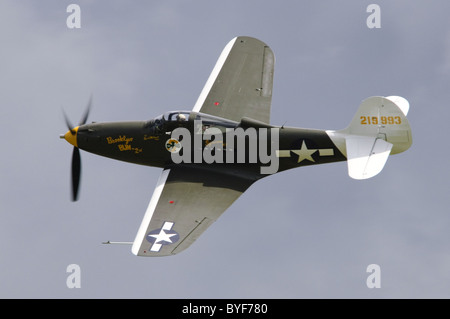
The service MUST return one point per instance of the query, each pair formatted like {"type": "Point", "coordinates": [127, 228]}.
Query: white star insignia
{"type": "Point", "coordinates": [162, 236]}
{"type": "Point", "coordinates": [304, 153]}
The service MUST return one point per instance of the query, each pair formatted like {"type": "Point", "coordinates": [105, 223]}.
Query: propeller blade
{"type": "Point", "coordinates": [76, 173]}
{"type": "Point", "coordinates": [76, 159]}
{"type": "Point", "coordinates": [86, 113]}
{"type": "Point", "coordinates": [68, 123]}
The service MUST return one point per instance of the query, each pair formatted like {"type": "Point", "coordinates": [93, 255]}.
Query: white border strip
{"type": "Point", "coordinates": [213, 76]}
{"type": "Point", "coordinates": [140, 237]}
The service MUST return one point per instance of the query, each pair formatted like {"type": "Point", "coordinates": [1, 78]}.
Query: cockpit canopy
{"type": "Point", "coordinates": [173, 119]}
{"type": "Point", "coordinates": [176, 116]}
{"type": "Point", "coordinates": [167, 121]}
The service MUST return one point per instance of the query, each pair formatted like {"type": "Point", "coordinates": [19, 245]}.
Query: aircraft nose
{"type": "Point", "coordinates": [71, 136]}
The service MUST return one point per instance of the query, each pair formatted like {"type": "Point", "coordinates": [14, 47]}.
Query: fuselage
{"type": "Point", "coordinates": [191, 138]}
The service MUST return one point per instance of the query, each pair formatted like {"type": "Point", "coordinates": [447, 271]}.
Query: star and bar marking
{"type": "Point", "coordinates": [163, 236]}
{"type": "Point", "coordinates": [305, 153]}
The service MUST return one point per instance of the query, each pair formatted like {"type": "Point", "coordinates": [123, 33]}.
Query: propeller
{"type": "Point", "coordinates": [70, 136]}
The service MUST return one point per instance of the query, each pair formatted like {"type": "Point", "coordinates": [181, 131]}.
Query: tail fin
{"type": "Point", "coordinates": [378, 129]}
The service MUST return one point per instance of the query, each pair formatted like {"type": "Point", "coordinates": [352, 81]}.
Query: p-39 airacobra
{"type": "Point", "coordinates": [225, 143]}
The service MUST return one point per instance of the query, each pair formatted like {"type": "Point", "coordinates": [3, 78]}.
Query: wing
{"type": "Point", "coordinates": [186, 201]}
{"type": "Point", "coordinates": [241, 82]}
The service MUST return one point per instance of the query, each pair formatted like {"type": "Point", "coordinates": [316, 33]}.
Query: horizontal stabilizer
{"type": "Point", "coordinates": [366, 156]}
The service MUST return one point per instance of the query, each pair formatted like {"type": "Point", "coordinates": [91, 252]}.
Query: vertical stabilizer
{"type": "Point", "coordinates": [378, 129]}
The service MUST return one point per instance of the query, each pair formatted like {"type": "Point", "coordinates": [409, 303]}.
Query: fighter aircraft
{"type": "Point", "coordinates": [213, 153]}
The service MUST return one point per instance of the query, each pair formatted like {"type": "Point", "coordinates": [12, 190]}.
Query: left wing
{"type": "Point", "coordinates": [186, 201]}
{"type": "Point", "coordinates": [241, 82]}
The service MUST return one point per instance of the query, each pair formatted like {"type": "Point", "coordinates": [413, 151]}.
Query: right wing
{"type": "Point", "coordinates": [241, 82]}
{"type": "Point", "coordinates": [186, 201]}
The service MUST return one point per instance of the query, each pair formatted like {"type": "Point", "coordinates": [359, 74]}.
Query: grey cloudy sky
{"type": "Point", "coordinates": [304, 233]}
